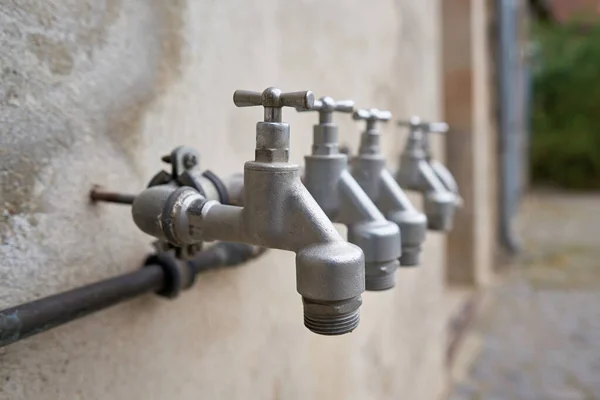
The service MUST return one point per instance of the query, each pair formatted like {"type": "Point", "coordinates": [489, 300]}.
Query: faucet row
{"type": "Point", "coordinates": [273, 206]}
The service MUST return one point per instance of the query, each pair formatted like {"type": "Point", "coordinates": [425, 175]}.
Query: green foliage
{"type": "Point", "coordinates": [566, 106]}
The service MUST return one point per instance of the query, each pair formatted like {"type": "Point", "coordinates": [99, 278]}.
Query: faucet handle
{"type": "Point", "coordinates": [372, 115]}
{"type": "Point", "coordinates": [273, 99]}
{"type": "Point", "coordinates": [415, 123]}
{"type": "Point", "coordinates": [437, 127]}
{"type": "Point", "coordinates": [328, 105]}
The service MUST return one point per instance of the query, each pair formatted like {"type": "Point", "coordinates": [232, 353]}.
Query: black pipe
{"type": "Point", "coordinates": [38, 316]}
{"type": "Point", "coordinates": [28, 319]}
{"type": "Point", "coordinates": [225, 254]}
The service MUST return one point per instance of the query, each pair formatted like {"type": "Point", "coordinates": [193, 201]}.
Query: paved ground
{"type": "Point", "coordinates": [541, 333]}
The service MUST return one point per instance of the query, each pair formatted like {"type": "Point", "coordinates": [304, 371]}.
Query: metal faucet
{"type": "Point", "coordinates": [328, 180]}
{"type": "Point", "coordinates": [278, 213]}
{"type": "Point", "coordinates": [416, 173]}
{"type": "Point", "coordinates": [442, 172]}
{"type": "Point", "coordinates": [369, 170]}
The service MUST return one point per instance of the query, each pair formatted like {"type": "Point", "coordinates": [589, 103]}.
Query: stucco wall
{"type": "Point", "coordinates": [96, 91]}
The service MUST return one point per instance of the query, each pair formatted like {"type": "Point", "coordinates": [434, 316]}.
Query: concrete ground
{"type": "Point", "coordinates": [539, 337]}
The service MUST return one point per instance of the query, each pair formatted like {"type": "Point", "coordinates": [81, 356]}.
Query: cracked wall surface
{"type": "Point", "coordinates": [96, 91]}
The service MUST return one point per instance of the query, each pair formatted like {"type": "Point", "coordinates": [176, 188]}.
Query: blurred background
{"type": "Point", "coordinates": [537, 337]}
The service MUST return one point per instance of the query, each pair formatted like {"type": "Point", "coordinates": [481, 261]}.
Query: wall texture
{"type": "Point", "coordinates": [95, 91]}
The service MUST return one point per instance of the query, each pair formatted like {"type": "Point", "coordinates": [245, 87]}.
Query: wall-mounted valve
{"type": "Point", "coordinates": [278, 213]}
{"type": "Point", "coordinates": [440, 169]}
{"type": "Point", "coordinates": [185, 171]}
{"type": "Point", "coordinates": [328, 180]}
{"type": "Point", "coordinates": [369, 170]}
{"type": "Point", "coordinates": [416, 173]}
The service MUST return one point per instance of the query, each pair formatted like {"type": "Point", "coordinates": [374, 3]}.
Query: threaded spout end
{"type": "Point", "coordinates": [441, 223]}
{"type": "Point", "coordinates": [380, 276]}
{"type": "Point", "coordinates": [331, 325]}
{"type": "Point", "coordinates": [440, 209]}
{"type": "Point", "coordinates": [332, 318]}
{"type": "Point", "coordinates": [378, 283]}
{"type": "Point", "coordinates": [411, 256]}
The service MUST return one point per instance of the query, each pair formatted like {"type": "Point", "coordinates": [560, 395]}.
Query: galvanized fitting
{"type": "Point", "coordinates": [332, 318]}
{"type": "Point", "coordinates": [278, 213]}
{"type": "Point", "coordinates": [369, 170]}
{"type": "Point", "coordinates": [327, 179]}
{"type": "Point", "coordinates": [185, 171]}
{"type": "Point", "coordinates": [416, 173]}
{"type": "Point", "coordinates": [441, 171]}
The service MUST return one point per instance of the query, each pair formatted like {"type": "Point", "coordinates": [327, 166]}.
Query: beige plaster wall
{"type": "Point", "coordinates": [470, 150]}
{"type": "Point", "coordinates": [95, 91]}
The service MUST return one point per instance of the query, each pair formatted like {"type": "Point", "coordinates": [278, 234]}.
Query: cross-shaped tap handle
{"type": "Point", "coordinates": [372, 116]}
{"type": "Point", "coordinates": [415, 123]}
{"type": "Point", "coordinates": [326, 106]}
{"type": "Point", "coordinates": [273, 99]}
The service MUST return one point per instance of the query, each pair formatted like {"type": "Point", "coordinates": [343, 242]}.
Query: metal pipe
{"type": "Point", "coordinates": [38, 316]}
{"type": "Point", "coordinates": [96, 194]}
{"type": "Point", "coordinates": [508, 128]}
{"type": "Point", "coordinates": [224, 254]}
{"type": "Point", "coordinates": [28, 319]}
